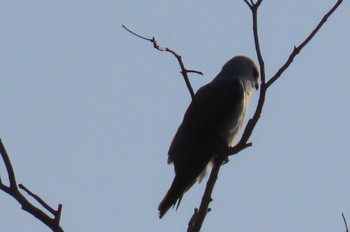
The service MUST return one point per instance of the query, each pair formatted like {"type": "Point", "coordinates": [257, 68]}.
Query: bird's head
{"type": "Point", "coordinates": [244, 68]}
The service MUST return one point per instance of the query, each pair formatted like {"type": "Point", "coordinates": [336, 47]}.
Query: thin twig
{"type": "Point", "coordinates": [184, 71]}
{"type": "Point", "coordinates": [58, 214]}
{"type": "Point", "coordinates": [140, 36]}
{"type": "Point", "coordinates": [249, 4]}
{"type": "Point", "coordinates": [8, 165]}
{"type": "Point", "coordinates": [346, 224]}
{"type": "Point", "coordinates": [297, 49]}
{"type": "Point", "coordinates": [258, 2]}
{"type": "Point", "coordinates": [38, 199]}
{"type": "Point", "coordinates": [199, 215]}
{"type": "Point", "coordinates": [254, 120]}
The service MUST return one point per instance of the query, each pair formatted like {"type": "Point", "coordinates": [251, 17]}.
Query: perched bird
{"type": "Point", "coordinates": [211, 121]}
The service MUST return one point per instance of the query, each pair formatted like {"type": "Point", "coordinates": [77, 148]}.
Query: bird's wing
{"type": "Point", "coordinates": [205, 126]}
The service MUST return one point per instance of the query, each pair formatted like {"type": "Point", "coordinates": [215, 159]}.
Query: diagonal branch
{"type": "Point", "coordinates": [38, 199]}
{"type": "Point", "coordinates": [9, 168]}
{"type": "Point", "coordinates": [198, 216]}
{"type": "Point", "coordinates": [297, 49]}
{"type": "Point", "coordinates": [249, 4]}
{"type": "Point", "coordinates": [346, 224]}
{"type": "Point", "coordinates": [12, 190]}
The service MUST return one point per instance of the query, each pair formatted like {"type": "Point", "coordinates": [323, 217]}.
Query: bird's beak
{"type": "Point", "coordinates": [256, 86]}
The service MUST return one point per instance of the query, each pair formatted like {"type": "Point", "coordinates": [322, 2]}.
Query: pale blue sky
{"type": "Point", "coordinates": [88, 112]}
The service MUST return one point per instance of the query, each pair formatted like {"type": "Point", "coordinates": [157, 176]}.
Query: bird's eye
{"type": "Point", "coordinates": [255, 73]}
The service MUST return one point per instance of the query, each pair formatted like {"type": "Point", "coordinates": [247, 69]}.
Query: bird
{"type": "Point", "coordinates": [211, 122]}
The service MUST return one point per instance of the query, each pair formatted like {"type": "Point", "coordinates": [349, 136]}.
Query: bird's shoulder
{"type": "Point", "coordinates": [214, 103]}
{"type": "Point", "coordinates": [220, 93]}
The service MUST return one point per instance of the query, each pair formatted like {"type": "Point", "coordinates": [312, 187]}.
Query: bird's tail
{"type": "Point", "coordinates": [174, 194]}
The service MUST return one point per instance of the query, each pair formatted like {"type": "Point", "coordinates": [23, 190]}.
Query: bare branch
{"type": "Point", "coordinates": [346, 224]}
{"type": "Point", "coordinates": [297, 49]}
{"type": "Point", "coordinates": [264, 86]}
{"type": "Point", "coordinates": [199, 215]}
{"type": "Point", "coordinates": [58, 214]}
{"type": "Point", "coordinates": [258, 3]}
{"type": "Point", "coordinates": [184, 71]}
{"type": "Point", "coordinates": [253, 121]}
{"type": "Point", "coordinates": [249, 4]}
{"type": "Point", "coordinates": [12, 190]}
{"type": "Point", "coordinates": [257, 43]}
{"type": "Point", "coordinates": [140, 36]}
{"type": "Point", "coordinates": [9, 168]}
{"type": "Point", "coordinates": [37, 198]}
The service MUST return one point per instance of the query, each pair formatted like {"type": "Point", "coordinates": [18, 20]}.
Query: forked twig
{"type": "Point", "coordinates": [12, 190]}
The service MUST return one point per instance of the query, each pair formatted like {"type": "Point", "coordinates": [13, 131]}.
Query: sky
{"type": "Point", "coordinates": [88, 112]}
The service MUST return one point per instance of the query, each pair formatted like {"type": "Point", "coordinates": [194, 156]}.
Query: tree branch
{"type": "Point", "coordinates": [184, 71]}
{"type": "Point", "coordinates": [12, 190]}
{"type": "Point", "coordinates": [297, 49]}
{"type": "Point", "coordinates": [346, 224]}
{"type": "Point", "coordinates": [200, 214]}
{"type": "Point", "coordinates": [9, 169]}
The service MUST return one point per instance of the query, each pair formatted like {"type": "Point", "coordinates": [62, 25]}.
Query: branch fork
{"type": "Point", "coordinates": [13, 190]}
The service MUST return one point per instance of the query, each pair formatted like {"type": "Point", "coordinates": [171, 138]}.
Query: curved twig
{"type": "Point", "coordinates": [184, 71]}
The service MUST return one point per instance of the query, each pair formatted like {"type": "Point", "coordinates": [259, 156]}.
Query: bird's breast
{"type": "Point", "coordinates": [235, 122]}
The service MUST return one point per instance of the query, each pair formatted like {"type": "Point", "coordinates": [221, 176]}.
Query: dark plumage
{"type": "Point", "coordinates": [209, 123]}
